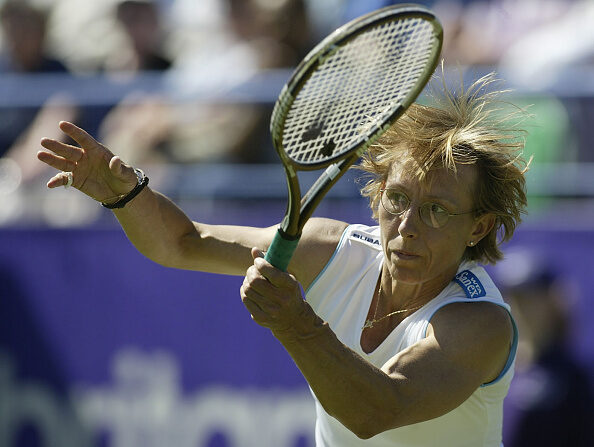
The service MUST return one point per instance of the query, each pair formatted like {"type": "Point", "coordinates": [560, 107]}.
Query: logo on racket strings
{"type": "Point", "coordinates": [312, 132]}
{"type": "Point", "coordinates": [328, 148]}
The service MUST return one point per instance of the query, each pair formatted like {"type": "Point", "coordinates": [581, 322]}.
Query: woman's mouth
{"type": "Point", "coordinates": [405, 255]}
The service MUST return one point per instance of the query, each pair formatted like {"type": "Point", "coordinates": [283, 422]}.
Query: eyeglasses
{"type": "Point", "coordinates": [432, 214]}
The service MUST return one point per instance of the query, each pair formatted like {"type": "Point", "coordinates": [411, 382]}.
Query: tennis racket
{"type": "Point", "coordinates": [344, 94]}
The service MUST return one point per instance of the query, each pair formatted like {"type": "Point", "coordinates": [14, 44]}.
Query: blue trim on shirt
{"type": "Point", "coordinates": [512, 353]}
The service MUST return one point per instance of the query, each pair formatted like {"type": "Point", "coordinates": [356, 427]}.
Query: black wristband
{"type": "Point", "coordinates": [142, 182]}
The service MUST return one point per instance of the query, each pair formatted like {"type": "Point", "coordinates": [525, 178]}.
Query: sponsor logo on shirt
{"type": "Point", "coordinates": [367, 239]}
{"type": "Point", "coordinates": [471, 285]}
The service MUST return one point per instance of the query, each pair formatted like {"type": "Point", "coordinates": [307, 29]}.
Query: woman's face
{"type": "Point", "coordinates": [416, 253]}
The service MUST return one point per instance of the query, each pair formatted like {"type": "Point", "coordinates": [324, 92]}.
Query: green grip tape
{"type": "Point", "coordinates": [281, 251]}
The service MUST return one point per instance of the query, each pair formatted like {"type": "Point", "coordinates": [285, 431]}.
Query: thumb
{"type": "Point", "coordinates": [120, 170]}
{"type": "Point", "coordinates": [257, 253]}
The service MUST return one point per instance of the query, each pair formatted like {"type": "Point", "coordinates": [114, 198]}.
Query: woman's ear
{"type": "Point", "coordinates": [482, 226]}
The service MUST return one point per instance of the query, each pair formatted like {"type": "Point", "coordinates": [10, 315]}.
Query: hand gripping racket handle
{"type": "Point", "coordinates": [281, 250]}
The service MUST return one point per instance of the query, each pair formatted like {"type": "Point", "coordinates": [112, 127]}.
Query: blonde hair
{"type": "Point", "coordinates": [466, 128]}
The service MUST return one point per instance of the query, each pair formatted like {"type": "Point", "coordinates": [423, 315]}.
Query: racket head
{"type": "Point", "coordinates": [354, 84]}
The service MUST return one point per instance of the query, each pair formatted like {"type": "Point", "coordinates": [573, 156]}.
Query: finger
{"type": "Point", "coordinates": [55, 161]}
{"type": "Point", "coordinates": [65, 150]}
{"type": "Point", "coordinates": [78, 134]}
{"type": "Point", "coordinates": [275, 276]}
{"type": "Point", "coordinates": [60, 179]}
{"type": "Point", "coordinates": [259, 289]}
{"type": "Point", "coordinates": [262, 302]}
{"type": "Point", "coordinates": [247, 297]}
{"type": "Point", "coordinates": [257, 314]}
{"type": "Point", "coordinates": [259, 306]}
{"type": "Point", "coordinates": [254, 281]}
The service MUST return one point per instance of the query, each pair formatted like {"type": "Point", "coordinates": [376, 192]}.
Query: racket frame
{"type": "Point", "coordinates": [299, 209]}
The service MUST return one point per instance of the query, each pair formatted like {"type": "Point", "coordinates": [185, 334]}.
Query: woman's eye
{"type": "Point", "coordinates": [437, 209]}
{"type": "Point", "coordinates": [399, 200]}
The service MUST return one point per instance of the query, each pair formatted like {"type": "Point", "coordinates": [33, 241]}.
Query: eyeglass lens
{"type": "Point", "coordinates": [431, 214]}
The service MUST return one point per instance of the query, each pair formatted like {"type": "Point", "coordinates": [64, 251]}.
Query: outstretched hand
{"type": "Point", "coordinates": [96, 171]}
{"type": "Point", "coordinates": [274, 300]}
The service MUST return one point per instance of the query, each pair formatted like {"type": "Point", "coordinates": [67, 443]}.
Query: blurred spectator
{"type": "Point", "coordinates": [480, 32]}
{"type": "Point", "coordinates": [140, 125]}
{"type": "Point", "coordinates": [542, 54]}
{"type": "Point", "coordinates": [550, 402]}
{"type": "Point", "coordinates": [257, 35]}
{"type": "Point", "coordinates": [24, 32]}
{"type": "Point", "coordinates": [278, 35]}
{"type": "Point", "coordinates": [142, 24]}
{"type": "Point", "coordinates": [24, 54]}
{"type": "Point", "coordinates": [278, 30]}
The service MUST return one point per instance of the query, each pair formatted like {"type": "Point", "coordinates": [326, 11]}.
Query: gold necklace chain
{"type": "Point", "coordinates": [370, 323]}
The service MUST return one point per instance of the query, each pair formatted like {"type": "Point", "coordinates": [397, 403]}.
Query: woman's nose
{"type": "Point", "coordinates": [409, 222]}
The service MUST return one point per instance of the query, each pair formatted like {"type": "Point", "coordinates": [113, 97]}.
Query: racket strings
{"type": "Point", "coordinates": [357, 87]}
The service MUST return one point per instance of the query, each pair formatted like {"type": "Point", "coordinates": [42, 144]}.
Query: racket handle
{"type": "Point", "coordinates": [281, 250]}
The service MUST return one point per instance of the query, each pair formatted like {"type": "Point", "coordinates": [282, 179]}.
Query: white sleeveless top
{"type": "Point", "coordinates": [342, 294]}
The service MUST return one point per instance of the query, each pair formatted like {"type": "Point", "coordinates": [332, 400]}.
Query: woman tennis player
{"type": "Point", "coordinates": [402, 336]}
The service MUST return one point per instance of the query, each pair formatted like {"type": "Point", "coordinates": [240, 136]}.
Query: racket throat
{"type": "Point", "coordinates": [288, 230]}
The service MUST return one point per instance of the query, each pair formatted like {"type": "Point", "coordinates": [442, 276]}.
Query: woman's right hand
{"type": "Point", "coordinates": [96, 171]}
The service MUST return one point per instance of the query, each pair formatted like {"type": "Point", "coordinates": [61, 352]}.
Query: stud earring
{"type": "Point", "coordinates": [471, 243]}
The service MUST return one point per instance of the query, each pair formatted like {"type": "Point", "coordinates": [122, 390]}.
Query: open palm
{"type": "Point", "coordinates": [95, 170]}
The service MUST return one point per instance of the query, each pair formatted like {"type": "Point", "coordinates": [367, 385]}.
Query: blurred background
{"type": "Point", "coordinates": [101, 347]}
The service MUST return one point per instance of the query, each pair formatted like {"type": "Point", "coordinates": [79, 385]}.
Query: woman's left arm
{"type": "Point", "coordinates": [466, 345]}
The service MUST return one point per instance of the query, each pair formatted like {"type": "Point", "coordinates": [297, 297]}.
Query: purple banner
{"type": "Point", "coordinates": [101, 347]}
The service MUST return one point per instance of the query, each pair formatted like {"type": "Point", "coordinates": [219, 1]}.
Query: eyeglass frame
{"type": "Point", "coordinates": [382, 190]}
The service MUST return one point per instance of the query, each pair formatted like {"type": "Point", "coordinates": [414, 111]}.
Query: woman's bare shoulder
{"type": "Point", "coordinates": [317, 244]}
